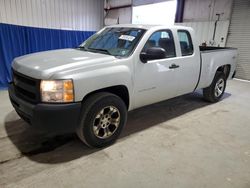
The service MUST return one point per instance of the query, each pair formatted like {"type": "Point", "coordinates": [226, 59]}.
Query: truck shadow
{"type": "Point", "coordinates": [63, 148]}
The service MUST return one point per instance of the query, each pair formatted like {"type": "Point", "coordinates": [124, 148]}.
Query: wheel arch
{"type": "Point", "coordinates": [225, 69]}
{"type": "Point", "coordinates": [119, 90]}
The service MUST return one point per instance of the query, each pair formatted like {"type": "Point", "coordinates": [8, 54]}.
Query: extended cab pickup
{"type": "Point", "coordinates": [120, 68]}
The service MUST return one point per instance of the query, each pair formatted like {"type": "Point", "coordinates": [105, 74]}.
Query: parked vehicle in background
{"type": "Point", "coordinates": [123, 67]}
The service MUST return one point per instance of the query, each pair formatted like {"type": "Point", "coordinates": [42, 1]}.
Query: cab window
{"type": "Point", "coordinates": [185, 43]}
{"type": "Point", "coordinates": [163, 39]}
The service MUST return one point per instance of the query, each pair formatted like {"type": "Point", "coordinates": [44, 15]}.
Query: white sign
{"type": "Point", "coordinates": [127, 37]}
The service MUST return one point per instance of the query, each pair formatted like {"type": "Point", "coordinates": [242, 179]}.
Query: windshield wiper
{"type": "Point", "coordinates": [95, 49]}
{"type": "Point", "coordinates": [100, 49]}
{"type": "Point", "coordinates": [83, 47]}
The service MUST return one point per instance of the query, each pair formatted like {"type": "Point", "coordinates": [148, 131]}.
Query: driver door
{"type": "Point", "coordinates": [155, 79]}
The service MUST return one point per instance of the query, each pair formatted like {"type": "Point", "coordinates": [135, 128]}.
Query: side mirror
{"type": "Point", "coordinates": [152, 53]}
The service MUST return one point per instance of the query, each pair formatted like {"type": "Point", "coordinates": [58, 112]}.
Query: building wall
{"type": "Point", "coordinates": [239, 37]}
{"type": "Point", "coordinates": [206, 10]}
{"type": "Point", "coordinates": [201, 15]}
{"type": "Point", "coordinates": [204, 32]}
{"type": "Point", "coordinates": [84, 15]}
{"type": "Point", "coordinates": [28, 26]}
{"type": "Point", "coordinates": [118, 12]}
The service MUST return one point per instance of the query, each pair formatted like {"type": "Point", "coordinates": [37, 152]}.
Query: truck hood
{"type": "Point", "coordinates": [43, 65]}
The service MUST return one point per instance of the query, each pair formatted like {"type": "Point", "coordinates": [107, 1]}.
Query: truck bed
{"type": "Point", "coordinates": [214, 48]}
{"type": "Point", "coordinates": [211, 59]}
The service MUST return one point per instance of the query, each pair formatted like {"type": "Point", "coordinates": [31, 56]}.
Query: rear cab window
{"type": "Point", "coordinates": [185, 42]}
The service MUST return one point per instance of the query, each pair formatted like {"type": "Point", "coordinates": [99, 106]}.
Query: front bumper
{"type": "Point", "coordinates": [53, 118]}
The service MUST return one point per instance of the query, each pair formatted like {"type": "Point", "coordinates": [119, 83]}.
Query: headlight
{"type": "Point", "coordinates": [57, 91]}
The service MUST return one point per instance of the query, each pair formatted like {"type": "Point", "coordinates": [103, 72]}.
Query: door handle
{"type": "Point", "coordinates": [174, 66]}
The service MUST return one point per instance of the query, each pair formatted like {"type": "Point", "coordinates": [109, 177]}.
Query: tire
{"type": "Point", "coordinates": [103, 117]}
{"type": "Point", "coordinates": [215, 91]}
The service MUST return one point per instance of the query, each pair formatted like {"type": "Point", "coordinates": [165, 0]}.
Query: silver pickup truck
{"type": "Point", "coordinates": [123, 67]}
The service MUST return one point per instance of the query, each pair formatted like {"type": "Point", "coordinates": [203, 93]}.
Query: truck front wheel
{"type": "Point", "coordinates": [102, 119]}
{"type": "Point", "coordinates": [215, 91]}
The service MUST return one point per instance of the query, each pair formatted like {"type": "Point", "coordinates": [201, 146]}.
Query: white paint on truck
{"type": "Point", "coordinates": [147, 83]}
{"type": "Point", "coordinates": [123, 67]}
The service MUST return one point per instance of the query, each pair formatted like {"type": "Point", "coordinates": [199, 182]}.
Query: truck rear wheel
{"type": "Point", "coordinates": [215, 91]}
{"type": "Point", "coordinates": [103, 117]}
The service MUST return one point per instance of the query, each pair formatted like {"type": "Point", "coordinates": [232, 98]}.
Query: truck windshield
{"type": "Point", "coordinates": [116, 41]}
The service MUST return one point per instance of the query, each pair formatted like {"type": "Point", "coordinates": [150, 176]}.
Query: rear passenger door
{"type": "Point", "coordinates": [155, 80]}
{"type": "Point", "coordinates": [188, 60]}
